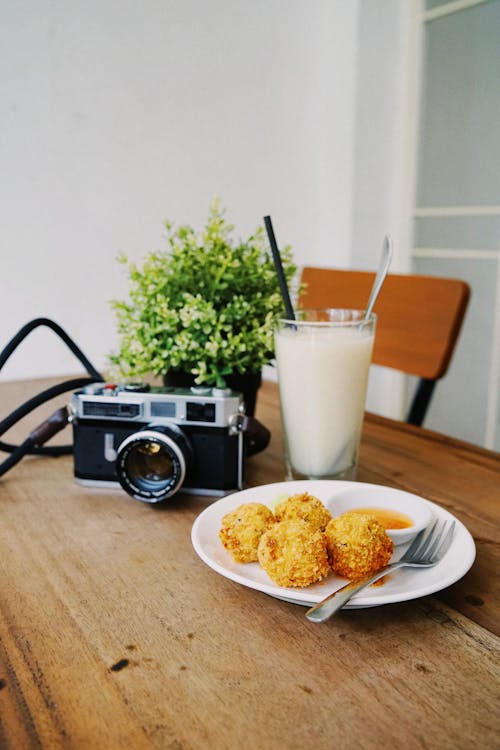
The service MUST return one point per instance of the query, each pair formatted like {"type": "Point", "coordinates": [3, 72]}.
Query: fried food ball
{"type": "Point", "coordinates": [294, 554]}
{"type": "Point", "coordinates": [303, 507]}
{"type": "Point", "coordinates": [242, 529]}
{"type": "Point", "coordinates": [357, 545]}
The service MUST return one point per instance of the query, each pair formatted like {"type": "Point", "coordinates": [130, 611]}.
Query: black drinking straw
{"type": "Point", "coordinates": [279, 268]}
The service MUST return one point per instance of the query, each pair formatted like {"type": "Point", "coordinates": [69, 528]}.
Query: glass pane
{"type": "Point", "coordinates": [460, 403]}
{"type": "Point", "coordinates": [429, 4]}
{"type": "Point", "coordinates": [464, 232]}
{"type": "Point", "coordinates": [460, 135]}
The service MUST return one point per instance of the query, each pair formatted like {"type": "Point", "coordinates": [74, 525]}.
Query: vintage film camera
{"type": "Point", "coordinates": [155, 441]}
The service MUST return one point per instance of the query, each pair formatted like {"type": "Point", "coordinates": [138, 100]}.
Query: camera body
{"type": "Point", "coordinates": [155, 441]}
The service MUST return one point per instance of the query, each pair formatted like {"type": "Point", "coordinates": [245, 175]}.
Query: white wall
{"type": "Point", "coordinates": [384, 154]}
{"type": "Point", "coordinates": [115, 115]}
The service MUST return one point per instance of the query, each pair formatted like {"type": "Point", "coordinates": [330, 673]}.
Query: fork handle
{"type": "Point", "coordinates": [327, 607]}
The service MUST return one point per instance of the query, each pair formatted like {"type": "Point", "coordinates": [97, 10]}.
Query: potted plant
{"type": "Point", "coordinates": [203, 310]}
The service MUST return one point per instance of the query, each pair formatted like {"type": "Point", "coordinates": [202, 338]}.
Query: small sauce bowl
{"type": "Point", "coordinates": [402, 514]}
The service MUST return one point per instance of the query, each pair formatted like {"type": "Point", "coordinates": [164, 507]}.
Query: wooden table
{"type": "Point", "coordinates": [114, 634]}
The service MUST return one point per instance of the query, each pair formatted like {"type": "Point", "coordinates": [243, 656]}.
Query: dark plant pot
{"type": "Point", "coordinates": [247, 384]}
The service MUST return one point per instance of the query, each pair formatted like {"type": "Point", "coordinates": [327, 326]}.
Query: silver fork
{"type": "Point", "coordinates": [426, 550]}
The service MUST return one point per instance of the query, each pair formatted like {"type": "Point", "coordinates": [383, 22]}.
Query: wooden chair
{"type": "Point", "coordinates": [419, 320]}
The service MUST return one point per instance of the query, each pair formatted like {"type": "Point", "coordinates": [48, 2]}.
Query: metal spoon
{"type": "Point", "coordinates": [385, 261]}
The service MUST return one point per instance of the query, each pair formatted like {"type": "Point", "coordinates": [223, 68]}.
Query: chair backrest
{"type": "Point", "coordinates": [419, 317]}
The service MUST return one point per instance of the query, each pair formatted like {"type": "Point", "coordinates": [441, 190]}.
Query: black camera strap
{"type": "Point", "coordinates": [34, 443]}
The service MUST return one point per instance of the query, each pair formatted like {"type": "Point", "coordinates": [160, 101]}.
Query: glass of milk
{"type": "Point", "coordinates": [323, 359]}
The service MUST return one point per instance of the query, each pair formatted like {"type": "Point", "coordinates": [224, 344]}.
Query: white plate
{"type": "Point", "coordinates": [407, 583]}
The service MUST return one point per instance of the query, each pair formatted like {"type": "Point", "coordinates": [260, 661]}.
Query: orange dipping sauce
{"type": "Point", "coordinates": [389, 519]}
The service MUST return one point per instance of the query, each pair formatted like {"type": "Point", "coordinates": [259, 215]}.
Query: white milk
{"type": "Point", "coordinates": [322, 376]}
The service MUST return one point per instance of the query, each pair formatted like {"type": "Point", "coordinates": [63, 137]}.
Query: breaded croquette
{"type": "Point", "coordinates": [357, 545]}
{"type": "Point", "coordinates": [303, 507]}
{"type": "Point", "coordinates": [293, 554]}
{"type": "Point", "coordinates": [242, 528]}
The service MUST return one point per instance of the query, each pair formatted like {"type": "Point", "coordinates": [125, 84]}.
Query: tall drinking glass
{"type": "Point", "coordinates": [323, 360]}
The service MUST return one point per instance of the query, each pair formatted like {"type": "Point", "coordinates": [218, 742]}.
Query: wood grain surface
{"type": "Point", "coordinates": [114, 634]}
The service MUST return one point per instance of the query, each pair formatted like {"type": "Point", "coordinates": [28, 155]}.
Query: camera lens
{"type": "Point", "coordinates": [151, 464]}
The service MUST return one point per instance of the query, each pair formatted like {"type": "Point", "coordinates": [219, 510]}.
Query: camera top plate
{"type": "Point", "coordinates": [213, 407]}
